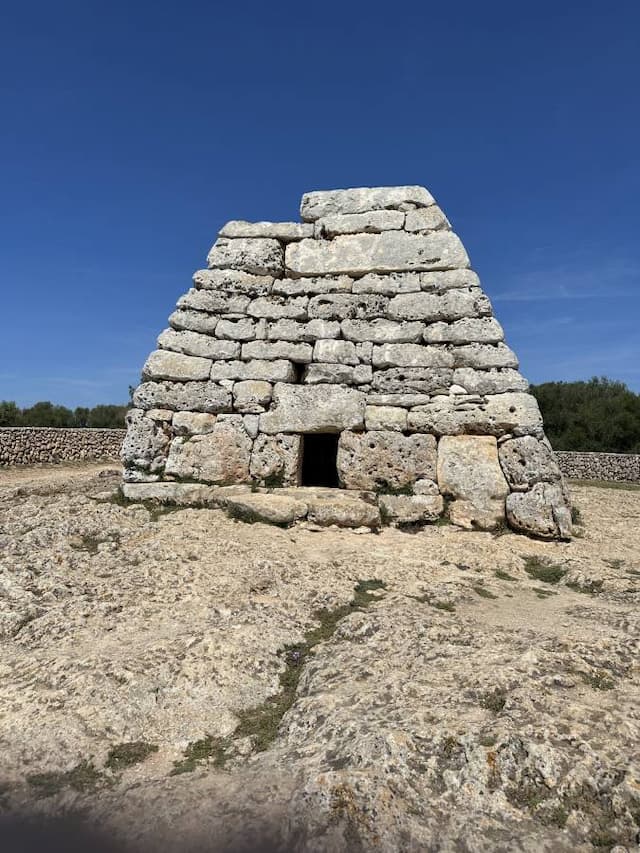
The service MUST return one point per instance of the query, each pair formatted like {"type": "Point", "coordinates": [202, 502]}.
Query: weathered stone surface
{"type": "Point", "coordinates": [496, 414]}
{"type": "Point", "coordinates": [181, 494]}
{"type": "Point", "coordinates": [301, 286]}
{"type": "Point", "coordinates": [193, 343]}
{"type": "Point", "coordinates": [270, 371]}
{"type": "Point", "coordinates": [337, 374]}
{"type": "Point", "coordinates": [526, 461]}
{"type": "Point", "coordinates": [390, 251]}
{"type": "Point", "coordinates": [291, 330]}
{"type": "Point", "coordinates": [319, 408]}
{"type": "Point", "coordinates": [385, 417]}
{"type": "Point", "coordinates": [235, 282]}
{"type": "Point", "coordinates": [384, 460]}
{"type": "Point", "coordinates": [284, 231]}
{"type": "Point", "coordinates": [470, 330]}
{"type": "Point", "coordinates": [190, 396]}
{"type": "Point", "coordinates": [194, 321]}
{"type": "Point", "coordinates": [389, 284]}
{"type": "Point", "coordinates": [411, 355]}
{"type": "Point", "coordinates": [297, 352]}
{"type": "Point", "coordinates": [543, 512]}
{"type": "Point", "coordinates": [484, 356]}
{"type": "Point", "coordinates": [381, 331]}
{"type": "Point", "coordinates": [251, 396]}
{"type": "Point", "coordinates": [193, 423]}
{"type": "Point", "coordinates": [340, 306]}
{"type": "Point", "coordinates": [221, 456]}
{"type": "Point", "coordinates": [364, 351]}
{"type": "Point", "coordinates": [214, 302]}
{"type": "Point", "coordinates": [371, 222]}
{"type": "Point", "coordinates": [251, 424]}
{"type": "Point", "coordinates": [426, 219]}
{"type": "Point", "coordinates": [407, 401]}
{"type": "Point", "coordinates": [260, 255]}
{"type": "Point", "coordinates": [281, 510]}
{"type": "Point", "coordinates": [450, 305]}
{"type": "Point", "coordinates": [362, 199]}
{"type": "Point", "coordinates": [469, 472]}
{"type": "Point", "coordinates": [441, 281]}
{"type": "Point", "coordinates": [275, 460]}
{"type": "Point", "coordinates": [279, 307]}
{"type": "Point", "coordinates": [425, 487]}
{"type": "Point", "coordinates": [489, 381]}
{"type": "Point", "coordinates": [410, 509]}
{"type": "Point", "coordinates": [163, 364]}
{"type": "Point", "coordinates": [146, 442]}
{"type": "Point", "coordinates": [236, 330]}
{"type": "Point", "coordinates": [343, 511]}
{"type": "Point", "coordinates": [336, 352]}
{"type": "Point", "coordinates": [420, 379]}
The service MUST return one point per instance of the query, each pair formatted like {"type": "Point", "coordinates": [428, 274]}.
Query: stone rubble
{"type": "Point", "coordinates": [364, 320]}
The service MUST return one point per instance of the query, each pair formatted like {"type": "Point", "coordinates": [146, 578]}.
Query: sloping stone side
{"type": "Point", "coordinates": [34, 445]}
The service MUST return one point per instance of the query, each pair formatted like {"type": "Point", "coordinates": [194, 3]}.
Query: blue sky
{"type": "Point", "coordinates": [132, 131]}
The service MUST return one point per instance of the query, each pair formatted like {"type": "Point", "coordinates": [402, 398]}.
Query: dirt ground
{"type": "Point", "coordinates": [184, 681]}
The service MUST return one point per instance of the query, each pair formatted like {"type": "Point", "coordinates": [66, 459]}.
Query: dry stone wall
{"type": "Point", "coordinates": [364, 320]}
{"type": "Point", "coordinates": [621, 467]}
{"type": "Point", "coordinates": [33, 445]}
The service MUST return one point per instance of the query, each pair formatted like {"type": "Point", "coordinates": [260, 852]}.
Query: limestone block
{"type": "Point", "coordinates": [183, 396]}
{"type": "Point", "coordinates": [496, 414]}
{"type": "Point", "coordinates": [214, 302]}
{"type": "Point", "coordinates": [426, 219]}
{"type": "Point", "coordinates": [543, 512]}
{"type": "Point", "coordinates": [382, 460]}
{"type": "Point", "coordinates": [182, 494]}
{"type": "Point", "coordinates": [469, 472]}
{"type": "Point", "coordinates": [251, 396]}
{"type": "Point", "coordinates": [518, 413]}
{"type": "Point", "coordinates": [279, 307]}
{"type": "Point", "coordinates": [472, 329]}
{"type": "Point", "coordinates": [385, 417]}
{"type": "Point", "coordinates": [411, 355]}
{"type": "Point", "coordinates": [364, 352]}
{"type": "Point", "coordinates": [371, 222]}
{"type": "Point", "coordinates": [221, 456]}
{"type": "Point", "coordinates": [313, 408]}
{"type": "Point", "coordinates": [410, 509]}
{"type": "Point", "coordinates": [146, 442]}
{"type": "Point", "coordinates": [193, 343]}
{"type": "Point", "coordinates": [284, 231]}
{"type": "Point", "coordinates": [484, 356]}
{"type": "Point", "coordinates": [343, 511]}
{"type": "Point", "coordinates": [450, 305]}
{"type": "Point", "coordinates": [275, 459]}
{"type": "Point", "coordinates": [337, 374]}
{"type": "Point", "coordinates": [381, 331]}
{"type": "Point", "coordinates": [291, 330]}
{"type": "Point", "coordinates": [362, 199]}
{"type": "Point", "coordinates": [194, 321]}
{"type": "Point", "coordinates": [526, 461]}
{"type": "Point", "coordinates": [323, 284]}
{"type": "Point", "coordinates": [335, 352]}
{"type": "Point", "coordinates": [270, 371]}
{"type": "Point", "coordinates": [160, 414]}
{"type": "Point", "coordinates": [390, 251]}
{"type": "Point", "coordinates": [236, 330]}
{"type": "Point", "coordinates": [388, 285]}
{"type": "Point", "coordinates": [425, 487]}
{"type": "Point", "coordinates": [341, 306]}
{"type": "Point", "coordinates": [259, 255]}
{"type": "Point", "coordinates": [440, 281]}
{"type": "Point", "coordinates": [300, 353]}
{"type": "Point", "coordinates": [163, 364]}
{"type": "Point", "coordinates": [420, 379]}
{"type": "Point", "coordinates": [193, 423]}
{"type": "Point", "coordinates": [404, 400]}
{"type": "Point", "coordinates": [234, 282]}
{"type": "Point", "coordinates": [489, 381]}
{"type": "Point", "coordinates": [251, 425]}
{"type": "Point", "coordinates": [282, 510]}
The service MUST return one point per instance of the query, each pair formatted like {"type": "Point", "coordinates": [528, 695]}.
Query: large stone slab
{"type": "Point", "coordinates": [371, 222]}
{"type": "Point", "coordinates": [336, 352]}
{"type": "Point", "coordinates": [389, 284]}
{"type": "Point", "coordinates": [381, 331]}
{"type": "Point", "coordinates": [469, 472]}
{"type": "Point", "coordinates": [385, 418]}
{"type": "Point", "coordinates": [283, 231]}
{"type": "Point", "coordinates": [278, 370]}
{"type": "Point", "coordinates": [317, 408]}
{"type": "Point", "coordinates": [260, 255]}
{"type": "Point", "coordinates": [296, 352]}
{"type": "Point", "coordinates": [233, 282]}
{"type": "Point", "coordinates": [275, 460]}
{"type": "Point", "coordinates": [183, 396]}
{"type": "Point", "coordinates": [440, 281]}
{"type": "Point", "coordinates": [450, 305]}
{"type": "Point", "coordinates": [411, 355]}
{"type": "Point", "coordinates": [485, 356]}
{"type": "Point", "coordinates": [337, 374]}
{"type": "Point", "coordinates": [314, 205]}
{"type": "Point", "coordinates": [390, 251]}
{"type": "Point", "coordinates": [181, 494]}
{"type": "Point", "coordinates": [496, 381]}
{"type": "Point", "coordinates": [193, 343]}
{"type": "Point", "coordinates": [495, 414]}
{"type": "Point", "coordinates": [251, 396]}
{"type": "Point", "coordinates": [410, 509]}
{"type": "Point", "coordinates": [192, 423]}
{"type": "Point", "coordinates": [322, 284]}
{"type": "Point", "coordinates": [221, 456]}
{"type": "Point", "coordinates": [292, 330]}
{"type": "Point", "coordinates": [279, 307]}
{"type": "Point", "coordinates": [237, 330]}
{"type": "Point", "coordinates": [146, 442]}
{"type": "Point", "coordinates": [341, 306]}
{"type": "Point", "coordinates": [426, 219]}
{"type": "Point", "coordinates": [164, 364]}
{"type": "Point", "coordinates": [214, 302]}
{"type": "Point", "coordinates": [194, 321]}
{"type": "Point", "coordinates": [269, 508]}
{"type": "Point", "coordinates": [401, 380]}
{"type": "Point", "coordinates": [526, 461]}
{"type": "Point", "coordinates": [469, 330]}
{"type": "Point", "coordinates": [342, 510]}
{"type": "Point", "coordinates": [543, 511]}
{"type": "Point", "coordinates": [384, 461]}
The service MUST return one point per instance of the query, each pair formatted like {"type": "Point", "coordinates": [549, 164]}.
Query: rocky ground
{"type": "Point", "coordinates": [187, 681]}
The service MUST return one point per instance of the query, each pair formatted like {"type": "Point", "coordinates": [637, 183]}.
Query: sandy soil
{"type": "Point", "coordinates": [187, 681]}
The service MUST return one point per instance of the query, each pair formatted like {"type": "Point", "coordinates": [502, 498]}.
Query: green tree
{"type": "Point", "coordinates": [107, 417]}
{"type": "Point", "coordinates": [10, 414]}
{"type": "Point", "coordinates": [46, 414]}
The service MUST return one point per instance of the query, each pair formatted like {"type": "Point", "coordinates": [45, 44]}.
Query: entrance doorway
{"type": "Point", "coordinates": [320, 459]}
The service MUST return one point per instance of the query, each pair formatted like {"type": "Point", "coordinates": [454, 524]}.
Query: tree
{"type": "Point", "coordinates": [10, 414]}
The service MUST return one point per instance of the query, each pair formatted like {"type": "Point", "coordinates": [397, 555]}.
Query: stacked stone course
{"type": "Point", "coordinates": [364, 320]}
{"type": "Point", "coordinates": [35, 445]}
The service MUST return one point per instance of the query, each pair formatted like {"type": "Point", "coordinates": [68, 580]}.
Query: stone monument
{"type": "Point", "coordinates": [353, 350]}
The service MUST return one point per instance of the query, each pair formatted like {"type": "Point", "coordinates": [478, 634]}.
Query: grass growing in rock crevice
{"type": "Point", "coordinates": [261, 722]}
{"type": "Point", "coordinates": [83, 777]}
{"type": "Point", "coordinates": [542, 569]}
{"type": "Point", "coordinates": [127, 754]}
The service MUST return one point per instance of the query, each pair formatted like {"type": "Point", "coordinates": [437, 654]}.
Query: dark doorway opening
{"type": "Point", "coordinates": [319, 460]}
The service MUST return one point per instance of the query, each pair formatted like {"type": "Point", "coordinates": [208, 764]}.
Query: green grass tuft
{"type": "Point", "coordinates": [127, 754]}
{"type": "Point", "coordinates": [542, 569]}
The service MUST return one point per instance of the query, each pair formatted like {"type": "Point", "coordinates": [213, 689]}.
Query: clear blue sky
{"type": "Point", "coordinates": [132, 131]}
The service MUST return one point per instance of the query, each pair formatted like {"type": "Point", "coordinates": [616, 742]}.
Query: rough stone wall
{"type": "Point", "coordinates": [31, 445]}
{"type": "Point", "coordinates": [364, 320]}
{"type": "Point", "coordinates": [621, 467]}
